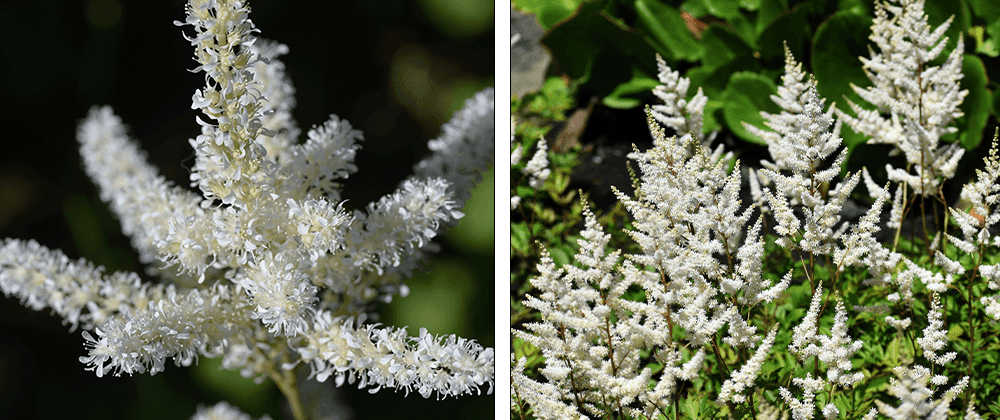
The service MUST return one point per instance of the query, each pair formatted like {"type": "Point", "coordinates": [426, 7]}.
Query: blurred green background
{"type": "Point", "coordinates": [396, 70]}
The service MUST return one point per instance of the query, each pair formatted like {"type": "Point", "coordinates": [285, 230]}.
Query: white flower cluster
{"type": "Point", "coordinates": [687, 223]}
{"type": "Point", "coordinates": [799, 143]}
{"type": "Point", "coordinates": [292, 272]}
{"type": "Point", "coordinates": [910, 386]}
{"type": "Point", "coordinates": [537, 169]}
{"type": "Point", "coordinates": [685, 116]}
{"type": "Point", "coordinates": [223, 411]}
{"type": "Point", "coordinates": [921, 100]}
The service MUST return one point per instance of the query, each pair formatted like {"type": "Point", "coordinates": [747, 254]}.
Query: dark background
{"type": "Point", "coordinates": [388, 67]}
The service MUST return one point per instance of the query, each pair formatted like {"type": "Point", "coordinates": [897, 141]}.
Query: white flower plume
{"type": "Point", "coordinates": [290, 271]}
{"type": "Point", "coordinates": [916, 102]}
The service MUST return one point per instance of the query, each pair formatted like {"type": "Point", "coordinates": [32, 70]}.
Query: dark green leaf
{"type": "Point", "coordinates": [519, 237]}
{"type": "Point", "coordinates": [591, 36]}
{"type": "Point", "coordinates": [631, 94]}
{"type": "Point", "coordinates": [666, 27]}
{"type": "Point", "coordinates": [549, 12]}
{"type": "Point", "coordinates": [725, 46]}
{"type": "Point", "coordinates": [976, 105]}
{"type": "Point", "coordinates": [746, 96]}
{"type": "Point", "coordinates": [837, 45]}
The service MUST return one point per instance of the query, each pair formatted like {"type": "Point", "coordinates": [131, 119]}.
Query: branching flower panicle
{"type": "Point", "coordinates": [266, 267]}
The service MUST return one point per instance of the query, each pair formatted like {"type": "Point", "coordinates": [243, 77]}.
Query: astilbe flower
{"type": "Point", "coordinates": [685, 116]}
{"type": "Point", "coordinates": [291, 273]}
{"type": "Point", "coordinates": [915, 102]}
{"type": "Point", "coordinates": [915, 398]}
{"type": "Point", "coordinates": [801, 140]}
{"type": "Point", "coordinates": [223, 411]}
{"type": "Point", "coordinates": [983, 198]}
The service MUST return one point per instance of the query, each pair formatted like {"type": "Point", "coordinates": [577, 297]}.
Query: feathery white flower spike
{"type": "Point", "coordinates": [915, 398]}
{"type": "Point", "coordinates": [921, 101]}
{"type": "Point", "coordinates": [801, 138]}
{"type": "Point", "coordinates": [742, 379]}
{"type": "Point", "coordinates": [685, 117]}
{"type": "Point", "coordinates": [290, 270]}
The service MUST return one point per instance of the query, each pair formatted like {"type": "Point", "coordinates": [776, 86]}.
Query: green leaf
{"type": "Point", "coordinates": [955, 331]}
{"type": "Point", "coordinates": [844, 38]}
{"type": "Point", "coordinates": [592, 32]}
{"type": "Point", "coordinates": [725, 46]}
{"type": "Point", "coordinates": [667, 29]}
{"type": "Point", "coordinates": [560, 256]}
{"type": "Point", "coordinates": [520, 237]}
{"type": "Point", "coordinates": [726, 9]}
{"type": "Point", "coordinates": [769, 11]}
{"type": "Point", "coordinates": [631, 94]}
{"type": "Point", "coordinates": [791, 27]}
{"type": "Point", "coordinates": [549, 12]}
{"type": "Point", "coordinates": [746, 96]}
{"type": "Point", "coordinates": [976, 105]}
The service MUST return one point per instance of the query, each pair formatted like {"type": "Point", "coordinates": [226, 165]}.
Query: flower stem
{"type": "Point", "coordinates": [285, 379]}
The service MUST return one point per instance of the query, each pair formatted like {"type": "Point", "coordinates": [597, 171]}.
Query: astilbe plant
{"type": "Point", "coordinates": [265, 267]}
{"type": "Point", "coordinates": [802, 313]}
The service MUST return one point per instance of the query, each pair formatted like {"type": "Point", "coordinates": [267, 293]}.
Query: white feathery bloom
{"type": "Point", "coordinates": [805, 408]}
{"type": "Point", "coordinates": [291, 271]}
{"type": "Point", "coordinates": [836, 350]}
{"type": "Point", "coordinates": [227, 157]}
{"type": "Point", "coordinates": [312, 169]}
{"type": "Point", "coordinates": [465, 147]}
{"type": "Point", "coordinates": [934, 337]}
{"type": "Point", "coordinates": [685, 117]}
{"type": "Point", "coordinates": [76, 290]}
{"type": "Point", "coordinates": [155, 214]}
{"type": "Point", "coordinates": [921, 101]}
{"type": "Point", "coordinates": [899, 324]}
{"type": "Point", "coordinates": [830, 411]}
{"type": "Point", "coordinates": [804, 334]}
{"type": "Point", "coordinates": [983, 195]}
{"type": "Point", "coordinates": [376, 357]}
{"type": "Point", "coordinates": [538, 166]}
{"type": "Point", "coordinates": [915, 398]}
{"type": "Point", "coordinates": [801, 138]}
{"type": "Point", "coordinates": [276, 115]}
{"type": "Point", "coordinates": [180, 325]}
{"type": "Point", "coordinates": [223, 411]}
{"type": "Point", "coordinates": [743, 378]}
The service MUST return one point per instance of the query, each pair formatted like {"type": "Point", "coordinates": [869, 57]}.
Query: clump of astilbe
{"type": "Point", "coordinates": [915, 103]}
{"type": "Point", "coordinates": [687, 221]}
{"type": "Point", "coordinates": [590, 360]}
{"type": "Point", "coordinates": [701, 283]}
{"type": "Point", "coordinates": [289, 275]}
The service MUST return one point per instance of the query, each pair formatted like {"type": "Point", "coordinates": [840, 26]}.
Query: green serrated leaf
{"type": "Point", "coordinates": [954, 331]}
